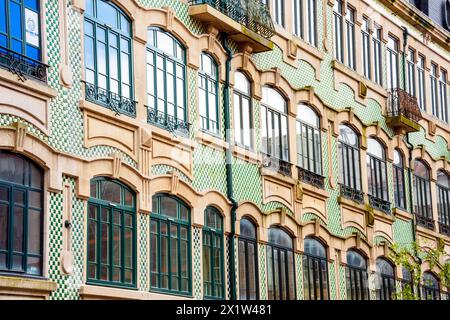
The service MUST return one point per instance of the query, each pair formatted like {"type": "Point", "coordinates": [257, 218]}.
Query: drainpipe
{"type": "Point", "coordinates": [409, 145]}
{"type": "Point", "coordinates": [229, 169]}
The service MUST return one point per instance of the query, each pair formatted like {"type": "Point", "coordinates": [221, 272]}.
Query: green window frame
{"type": "Point", "coordinates": [208, 92]}
{"type": "Point", "coordinates": [315, 270]}
{"type": "Point", "coordinates": [166, 100]}
{"type": "Point", "coordinates": [108, 61]}
{"type": "Point", "coordinates": [213, 256]}
{"type": "Point", "coordinates": [356, 276]}
{"type": "Point", "coordinates": [170, 246]}
{"type": "Point", "coordinates": [21, 215]}
{"type": "Point", "coordinates": [111, 234]}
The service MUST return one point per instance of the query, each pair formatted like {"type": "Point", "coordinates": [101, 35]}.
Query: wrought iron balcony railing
{"type": "Point", "coordinates": [252, 14]}
{"type": "Point", "coordinates": [311, 178]}
{"type": "Point", "coordinates": [425, 222]}
{"type": "Point", "coordinates": [444, 229]}
{"type": "Point", "coordinates": [351, 193]}
{"type": "Point", "coordinates": [167, 122]}
{"type": "Point", "coordinates": [401, 103]}
{"type": "Point", "coordinates": [281, 166]}
{"type": "Point", "coordinates": [22, 66]}
{"type": "Point", "coordinates": [380, 204]}
{"type": "Point", "coordinates": [110, 100]}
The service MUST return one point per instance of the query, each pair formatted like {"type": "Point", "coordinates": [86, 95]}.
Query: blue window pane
{"type": "Point", "coordinates": [107, 13]}
{"type": "Point", "coordinates": [15, 20]}
{"type": "Point", "coordinates": [33, 52]}
{"type": "Point", "coordinates": [124, 24]}
{"type": "Point", "coordinates": [32, 4]}
{"type": "Point", "coordinates": [16, 46]}
{"type": "Point", "coordinates": [90, 7]}
{"type": "Point", "coordinates": [3, 41]}
{"type": "Point", "coordinates": [2, 16]}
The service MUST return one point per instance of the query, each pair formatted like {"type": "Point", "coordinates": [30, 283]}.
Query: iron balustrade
{"type": "Point", "coordinates": [425, 222]}
{"type": "Point", "coordinates": [281, 166]}
{"type": "Point", "coordinates": [401, 103]}
{"type": "Point", "coordinates": [110, 100]}
{"type": "Point", "coordinates": [311, 178]}
{"type": "Point", "coordinates": [351, 193]}
{"type": "Point", "coordinates": [380, 204]}
{"type": "Point", "coordinates": [22, 66]}
{"type": "Point", "coordinates": [444, 229]}
{"type": "Point", "coordinates": [167, 122]}
{"type": "Point", "coordinates": [252, 14]}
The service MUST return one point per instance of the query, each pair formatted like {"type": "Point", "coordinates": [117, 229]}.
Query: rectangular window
{"type": "Point", "coordinates": [279, 12]}
{"type": "Point", "coordinates": [377, 56]}
{"type": "Point", "coordinates": [311, 19]}
{"type": "Point", "coordinates": [421, 81]}
{"type": "Point", "coordinates": [365, 43]}
{"type": "Point", "coordinates": [298, 18]}
{"type": "Point", "coordinates": [434, 90]}
{"type": "Point", "coordinates": [411, 72]}
{"type": "Point", "coordinates": [350, 29]}
{"type": "Point", "coordinates": [443, 96]}
{"type": "Point", "coordinates": [337, 30]}
{"type": "Point", "coordinates": [392, 63]}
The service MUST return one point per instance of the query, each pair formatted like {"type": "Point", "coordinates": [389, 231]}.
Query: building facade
{"type": "Point", "coordinates": [208, 149]}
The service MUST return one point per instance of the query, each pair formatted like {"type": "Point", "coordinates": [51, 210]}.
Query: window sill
{"type": "Point", "coordinates": [247, 155]}
{"type": "Point", "coordinates": [402, 214]}
{"type": "Point", "coordinates": [95, 292]}
{"type": "Point", "coordinates": [209, 140]}
{"type": "Point", "coordinates": [16, 287]}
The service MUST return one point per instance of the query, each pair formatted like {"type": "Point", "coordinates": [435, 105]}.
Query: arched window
{"type": "Point", "coordinates": [274, 133]}
{"type": "Point", "coordinates": [243, 111]}
{"type": "Point", "coordinates": [315, 271]}
{"type": "Point", "coordinates": [377, 176]}
{"type": "Point", "coordinates": [422, 193]}
{"type": "Point", "coordinates": [356, 276]}
{"type": "Point", "coordinates": [309, 150]}
{"type": "Point", "coordinates": [111, 242]}
{"type": "Point", "coordinates": [407, 281]}
{"type": "Point", "coordinates": [399, 180]}
{"type": "Point", "coordinates": [213, 266]}
{"type": "Point", "coordinates": [386, 280]}
{"type": "Point", "coordinates": [443, 190]}
{"type": "Point", "coordinates": [108, 56]}
{"type": "Point", "coordinates": [166, 77]}
{"type": "Point", "coordinates": [430, 288]}
{"type": "Point", "coordinates": [170, 243]}
{"type": "Point", "coordinates": [208, 88]}
{"type": "Point", "coordinates": [248, 261]}
{"type": "Point", "coordinates": [21, 215]}
{"type": "Point", "coordinates": [280, 265]}
{"type": "Point", "coordinates": [349, 164]}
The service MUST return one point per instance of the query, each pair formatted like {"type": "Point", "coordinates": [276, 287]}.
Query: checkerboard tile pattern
{"type": "Point", "coordinates": [197, 264]}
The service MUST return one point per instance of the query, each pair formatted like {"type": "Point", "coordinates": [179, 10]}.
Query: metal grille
{"type": "Point", "coordinates": [253, 14]}
{"type": "Point", "coordinates": [110, 100]}
{"type": "Point", "coordinates": [311, 178]}
{"type": "Point", "coordinates": [352, 194]}
{"type": "Point", "coordinates": [167, 122]}
{"type": "Point", "coordinates": [22, 66]}
{"type": "Point", "coordinates": [277, 165]}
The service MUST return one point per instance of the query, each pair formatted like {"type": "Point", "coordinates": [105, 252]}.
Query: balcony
{"type": "Point", "coordinates": [311, 178]}
{"type": "Point", "coordinates": [244, 21]}
{"type": "Point", "coordinates": [22, 66]}
{"type": "Point", "coordinates": [167, 122]}
{"type": "Point", "coordinates": [403, 112]}
{"type": "Point", "coordinates": [380, 204]}
{"type": "Point", "coordinates": [110, 100]}
{"type": "Point", "coordinates": [351, 194]}
{"type": "Point", "coordinates": [280, 166]}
